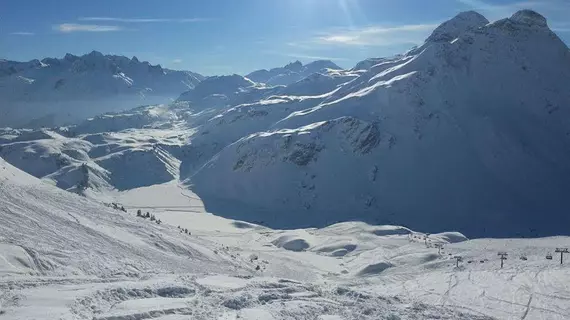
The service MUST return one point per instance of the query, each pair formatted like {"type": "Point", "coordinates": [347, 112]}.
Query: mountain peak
{"type": "Point", "coordinates": [322, 64]}
{"type": "Point", "coordinates": [294, 66]}
{"type": "Point", "coordinates": [94, 54]}
{"type": "Point", "coordinates": [461, 23]}
{"type": "Point", "coordinates": [70, 57]}
{"type": "Point", "coordinates": [529, 17]}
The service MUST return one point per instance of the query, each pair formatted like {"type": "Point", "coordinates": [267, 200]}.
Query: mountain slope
{"type": "Point", "coordinates": [291, 73]}
{"type": "Point", "coordinates": [113, 151]}
{"type": "Point", "coordinates": [468, 131]}
{"type": "Point", "coordinates": [54, 91]}
{"type": "Point", "coordinates": [62, 234]}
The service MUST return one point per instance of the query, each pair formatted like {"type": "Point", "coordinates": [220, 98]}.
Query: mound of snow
{"type": "Point", "coordinates": [15, 260]}
{"type": "Point", "coordinates": [338, 249]}
{"type": "Point", "coordinates": [448, 237]}
{"type": "Point", "coordinates": [374, 268]}
{"type": "Point", "coordinates": [291, 243]}
{"type": "Point", "coordinates": [390, 230]}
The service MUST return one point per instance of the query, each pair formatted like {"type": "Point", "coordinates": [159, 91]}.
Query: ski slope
{"type": "Point", "coordinates": [67, 257]}
{"type": "Point", "coordinates": [106, 264]}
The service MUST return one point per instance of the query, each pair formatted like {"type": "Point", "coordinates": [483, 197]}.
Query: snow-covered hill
{"type": "Point", "coordinates": [468, 131]}
{"type": "Point", "coordinates": [63, 256]}
{"type": "Point", "coordinates": [112, 151]}
{"type": "Point", "coordinates": [291, 73]}
{"type": "Point", "coordinates": [55, 91]}
{"type": "Point", "coordinates": [49, 232]}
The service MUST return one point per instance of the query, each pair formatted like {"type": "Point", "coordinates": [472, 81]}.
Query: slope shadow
{"type": "Point", "coordinates": [480, 226]}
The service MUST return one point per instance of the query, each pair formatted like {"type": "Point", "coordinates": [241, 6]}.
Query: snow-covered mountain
{"type": "Point", "coordinates": [56, 91]}
{"type": "Point", "coordinates": [233, 90]}
{"type": "Point", "coordinates": [291, 73]}
{"type": "Point", "coordinates": [468, 131]}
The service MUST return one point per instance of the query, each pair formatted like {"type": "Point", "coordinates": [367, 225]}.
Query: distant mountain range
{"type": "Point", "coordinates": [57, 91]}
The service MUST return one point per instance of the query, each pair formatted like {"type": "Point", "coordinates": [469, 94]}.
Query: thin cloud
{"type": "Point", "coordinates": [551, 8]}
{"type": "Point", "coordinates": [142, 20]}
{"type": "Point", "coordinates": [177, 61]}
{"type": "Point", "coordinates": [22, 33]}
{"type": "Point", "coordinates": [74, 27]}
{"type": "Point", "coordinates": [377, 35]}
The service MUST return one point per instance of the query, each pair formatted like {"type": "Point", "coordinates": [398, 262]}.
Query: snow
{"type": "Point", "coordinates": [387, 271]}
{"type": "Point", "coordinates": [433, 138]}
{"type": "Point", "coordinates": [302, 192]}
{"type": "Point", "coordinates": [455, 27]}
{"type": "Point", "coordinates": [15, 260]}
{"type": "Point", "coordinates": [291, 73]}
{"type": "Point", "coordinates": [60, 91]}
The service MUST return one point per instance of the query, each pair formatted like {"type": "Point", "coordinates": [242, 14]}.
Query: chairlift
{"type": "Point", "coordinates": [548, 256]}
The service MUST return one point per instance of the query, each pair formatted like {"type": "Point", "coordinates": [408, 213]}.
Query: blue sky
{"type": "Point", "coordinates": [239, 36]}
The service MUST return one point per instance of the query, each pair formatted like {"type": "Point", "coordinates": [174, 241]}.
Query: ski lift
{"type": "Point", "coordinates": [548, 256]}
